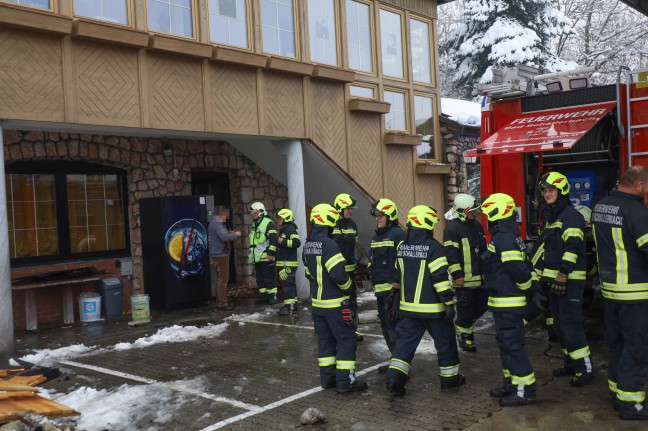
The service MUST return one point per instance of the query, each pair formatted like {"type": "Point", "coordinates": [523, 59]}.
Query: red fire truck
{"type": "Point", "coordinates": [535, 123]}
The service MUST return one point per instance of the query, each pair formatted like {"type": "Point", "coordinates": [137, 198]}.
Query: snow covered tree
{"type": "Point", "coordinates": [504, 33]}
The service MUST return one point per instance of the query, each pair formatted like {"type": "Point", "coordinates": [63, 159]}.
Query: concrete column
{"type": "Point", "coordinates": [292, 149]}
{"type": "Point", "coordinates": [6, 310]}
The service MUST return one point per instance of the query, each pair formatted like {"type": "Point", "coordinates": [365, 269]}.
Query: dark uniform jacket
{"type": "Point", "coordinates": [425, 287]}
{"type": "Point", "coordinates": [287, 249]}
{"type": "Point", "coordinates": [382, 267]}
{"type": "Point", "coordinates": [507, 274]}
{"type": "Point", "coordinates": [345, 235]}
{"type": "Point", "coordinates": [464, 242]}
{"type": "Point", "coordinates": [621, 233]}
{"type": "Point", "coordinates": [564, 243]}
{"type": "Point", "coordinates": [324, 265]}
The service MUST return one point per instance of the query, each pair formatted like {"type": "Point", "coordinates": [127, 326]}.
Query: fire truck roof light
{"type": "Point", "coordinates": [575, 83]}
{"type": "Point", "coordinates": [554, 87]}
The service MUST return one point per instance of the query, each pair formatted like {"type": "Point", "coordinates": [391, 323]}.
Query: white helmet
{"type": "Point", "coordinates": [463, 204]}
{"type": "Point", "coordinates": [258, 206]}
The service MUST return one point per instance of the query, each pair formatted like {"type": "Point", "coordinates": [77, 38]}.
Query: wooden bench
{"type": "Point", "coordinates": [68, 300]}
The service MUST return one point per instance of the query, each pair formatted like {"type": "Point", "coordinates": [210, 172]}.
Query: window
{"type": "Point", "coordinates": [65, 209]}
{"type": "Point", "coordinates": [420, 40]}
{"type": "Point", "coordinates": [424, 120]}
{"type": "Point", "coordinates": [278, 17]}
{"type": "Point", "coordinates": [228, 23]}
{"type": "Point", "coordinates": [362, 91]}
{"type": "Point", "coordinates": [392, 43]}
{"type": "Point", "coordinates": [43, 4]}
{"type": "Point", "coordinates": [359, 32]}
{"type": "Point", "coordinates": [397, 117]}
{"type": "Point", "coordinates": [322, 29]}
{"type": "Point", "coordinates": [171, 16]}
{"type": "Point", "coordinates": [106, 10]}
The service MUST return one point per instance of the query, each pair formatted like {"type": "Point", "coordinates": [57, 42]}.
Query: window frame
{"type": "Point", "coordinates": [435, 120]}
{"type": "Point", "coordinates": [296, 31]}
{"type": "Point", "coordinates": [60, 169]}
{"type": "Point", "coordinates": [372, 35]}
{"type": "Point", "coordinates": [129, 15]}
{"type": "Point", "coordinates": [53, 5]}
{"type": "Point", "coordinates": [372, 87]}
{"type": "Point", "coordinates": [249, 29]}
{"type": "Point", "coordinates": [406, 94]}
{"type": "Point", "coordinates": [403, 40]}
{"type": "Point", "coordinates": [194, 22]}
{"type": "Point", "coordinates": [338, 34]}
{"type": "Point", "coordinates": [432, 52]}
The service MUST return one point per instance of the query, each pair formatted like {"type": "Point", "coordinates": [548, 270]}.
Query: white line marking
{"type": "Point", "coordinates": [260, 322]}
{"type": "Point", "coordinates": [280, 403]}
{"type": "Point", "coordinates": [175, 386]}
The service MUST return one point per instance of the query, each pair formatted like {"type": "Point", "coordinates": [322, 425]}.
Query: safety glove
{"type": "Point", "coordinates": [347, 313]}
{"type": "Point", "coordinates": [534, 294]}
{"type": "Point", "coordinates": [284, 273]}
{"type": "Point", "coordinates": [393, 305]}
{"type": "Point", "coordinates": [559, 285]}
{"type": "Point", "coordinates": [357, 280]}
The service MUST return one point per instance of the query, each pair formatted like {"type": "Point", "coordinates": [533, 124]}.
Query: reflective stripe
{"type": "Point", "coordinates": [511, 255]}
{"type": "Point", "coordinates": [419, 280]}
{"type": "Point", "coordinates": [328, 303]}
{"type": "Point", "coordinates": [555, 225]}
{"type": "Point", "coordinates": [491, 247]}
{"type": "Point", "coordinates": [450, 243]}
{"type": "Point", "coordinates": [465, 246]}
{"type": "Point", "coordinates": [284, 263]}
{"type": "Point", "coordinates": [326, 362]}
{"type": "Point", "coordinates": [382, 287]}
{"type": "Point", "coordinates": [612, 386]}
{"type": "Point", "coordinates": [523, 380]}
{"type": "Point", "coordinates": [442, 286]}
{"type": "Point", "coordinates": [621, 256]}
{"type": "Point", "coordinates": [626, 292]}
{"type": "Point", "coordinates": [350, 267]}
{"type": "Point", "coordinates": [422, 308]}
{"type": "Point", "coordinates": [334, 261]}
{"type": "Point", "coordinates": [320, 279]}
{"type": "Point", "coordinates": [345, 365]}
{"type": "Point", "coordinates": [450, 371]}
{"type": "Point", "coordinates": [576, 275]}
{"type": "Point", "coordinates": [383, 243]}
{"type": "Point", "coordinates": [642, 240]}
{"type": "Point", "coordinates": [346, 285]}
{"type": "Point", "coordinates": [631, 397]}
{"type": "Point", "coordinates": [399, 365]}
{"type": "Point", "coordinates": [525, 285]}
{"type": "Point", "coordinates": [580, 353]}
{"type": "Point", "coordinates": [538, 254]}
{"type": "Point", "coordinates": [437, 264]}
{"type": "Point", "coordinates": [462, 330]}
{"type": "Point", "coordinates": [572, 232]}
{"type": "Point", "coordinates": [570, 257]}
{"type": "Point", "coordinates": [454, 268]}
{"type": "Point", "coordinates": [549, 321]}
{"type": "Point", "coordinates": [510, 301]}
{"type": "Point", "coordinates": [506, 373]}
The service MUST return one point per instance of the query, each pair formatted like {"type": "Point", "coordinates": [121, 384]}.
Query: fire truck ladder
{"type": "Point", "coordinates": [639, 76]}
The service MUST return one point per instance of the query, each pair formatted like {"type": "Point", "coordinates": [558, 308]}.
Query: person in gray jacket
{"type": "Point", "coordinates": [219, 254]}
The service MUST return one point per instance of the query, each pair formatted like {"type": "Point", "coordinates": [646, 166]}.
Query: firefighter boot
{"type": "Point", "coordinates": [396, 382]}
{"type": "Point", "coordinates": [356, 386]}
{"type": "Point", "coordinates": [513, 400]}
{"type": "Point", "coordinates": [502, 390]}
{"type": "Point", "coordinates": [638, 412]}
{"type": "Point", "coordinates": [454, 381]}
{"type": "Point", "coordinates": [581, 379]}
{"type": "Point", "coordinates": [285, 310]}
{"type": "Point", "coordinates": [564, 371]}
{"type": "Point", "coordinates": [467, 342]}
{"type": "Point", "coordinates": [272, 299]}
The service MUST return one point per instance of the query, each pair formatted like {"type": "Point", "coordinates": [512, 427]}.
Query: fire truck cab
{"type": "Point", "coordinates": [534, 123]}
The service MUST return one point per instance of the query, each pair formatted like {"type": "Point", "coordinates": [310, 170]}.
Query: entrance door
{"type": "Point", "coordinates": [216, 184]}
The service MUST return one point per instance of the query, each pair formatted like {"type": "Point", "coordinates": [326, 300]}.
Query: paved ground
{"type": "Point", "coordinates": [262, 374]}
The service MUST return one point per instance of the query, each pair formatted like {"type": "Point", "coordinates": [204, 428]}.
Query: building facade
{"type": "Point", "coordinates": [289, 102]}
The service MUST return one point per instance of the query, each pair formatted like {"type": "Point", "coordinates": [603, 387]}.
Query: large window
{"type": "Point", "coordinates": [106, 10]}
{"type": "Point", "coordinates": [323, 31]}
{"type": "Point", "coordinates": [359, 32]}
{"type": "Point", "coordinates": [228, 22]}
{"type": "Point", "coordinates": [424, 119]}
{"type": "Point", "coordinates": [420, 40]}
{"type": "Point", "coordinates": [362, 91]}
{"type": "Point", "coordinates": [171, 16]}
{"type": "Point", "coordinates": [278, 18]}
{"type": "Point", "coordinates": [392, 43]}
{"type": "Point", "coordinates": [396, 119]}
{"type": "Point", "coordinates": [65, 210]}
{"type": "Point", "coordinates": [43, 4]}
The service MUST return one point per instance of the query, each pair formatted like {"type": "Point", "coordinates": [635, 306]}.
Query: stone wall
{"type": "Point", "coordinates": [151, 174]}
{"type": "Point", "coordinates": [455, 145]}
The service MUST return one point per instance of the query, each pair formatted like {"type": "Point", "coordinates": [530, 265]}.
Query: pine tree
{"type": "Point", "coordinates": [503, 33]}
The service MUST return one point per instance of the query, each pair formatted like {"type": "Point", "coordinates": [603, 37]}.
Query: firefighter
{"type": "Point", "coordinates": [263, 247]}
{"type": "Point", "coordinates": [590, 256]}
{"type": "Point", "coordinates": [464, 242]}
{"type": "Point", "coordinates": [621, 235]}
{"type": "Point", "coordinates": [385, 277]}
{"type": "Point", "coordinates": [509, 281]}
{"type": "Point", "coordinates": [346, 236]}
{"type": "Point", "coordinates": [426, 303]}
{"type": "Point", "coordinates": [287, 244]}
{"type": "Point", "coordinates": [564, 269]}
{"type": "Point", "coordinates": [535, 252]}
{"type": "Point", "coordinates": [331, 310]}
